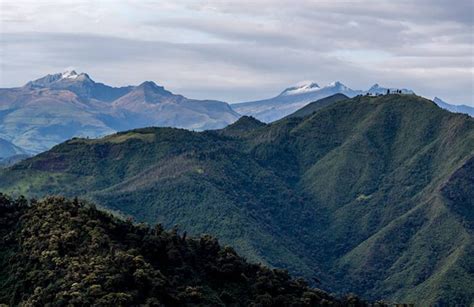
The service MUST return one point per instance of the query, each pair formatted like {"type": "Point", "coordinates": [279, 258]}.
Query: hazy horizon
{"type": "Point", "coordinates": [244, 50]}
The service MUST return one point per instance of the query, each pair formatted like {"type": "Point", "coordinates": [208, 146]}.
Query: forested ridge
{"type": "Point", "coordinates": [62, 252]}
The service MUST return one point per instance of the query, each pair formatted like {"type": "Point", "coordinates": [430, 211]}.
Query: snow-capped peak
{"type": "Point", "coordinates": [335, 84]}
{"type": "Point", "coordinates": [339, 87]}
{"type": "Point", "coordinates": [306, 83]}
{"type": "Point", "coordinates": [301, 87]}
{"type": "Point", "coordinates": [69, 74]}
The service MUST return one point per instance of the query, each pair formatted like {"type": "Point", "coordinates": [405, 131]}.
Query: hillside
{"type": "Point", "coordinates": [369, 194]}
{"type": "Point", "coordinates": [316, 105]}
{"type": "Point", "coordinates": [63, 252]}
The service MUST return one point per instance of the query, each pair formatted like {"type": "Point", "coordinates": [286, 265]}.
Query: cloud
{"type": "Point", "coordinates": [240, 50]}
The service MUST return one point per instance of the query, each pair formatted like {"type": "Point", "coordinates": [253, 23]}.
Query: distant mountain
{"type": "Point", "coordinates": [155, 106]}
{"type": "Point", "coordinates": [57, 107]}
{"type": "Point", "coordinates": [37, 118]}
{"type": "Point", "coordinates": [80, 84]}
{"type": "Point", "coordinates": [454, 108]}
{"type": "Point", "coordinates": [7, 149]}
{"type": "Point", "coordinates": [290, 100]}
{"type": "Point", "coordinates": [372, 194]}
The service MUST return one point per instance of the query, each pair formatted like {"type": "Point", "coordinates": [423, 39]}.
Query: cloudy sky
{"type": "Point", "coordinates": [242, 50]}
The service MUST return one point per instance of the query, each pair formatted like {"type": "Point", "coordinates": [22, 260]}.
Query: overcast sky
{"type": "Point", "coordinates": [244, 50]}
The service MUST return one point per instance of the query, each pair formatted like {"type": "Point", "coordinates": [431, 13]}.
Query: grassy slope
{"type": "Point", "coordinates": [317, 105]}
{"type": "Point", "coordinates": [353, 188]}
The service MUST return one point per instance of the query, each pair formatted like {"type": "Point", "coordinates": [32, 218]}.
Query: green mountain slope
{"type": "Point", "coordinates": [317, 105]}
{"type": "Point", "coordinates": [67, 253]}
{"type": "Point", "coordinates": [369, 193]}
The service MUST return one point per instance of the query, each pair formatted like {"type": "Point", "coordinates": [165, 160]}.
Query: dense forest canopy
{"type": "Point", "coordinates": [62, 252]}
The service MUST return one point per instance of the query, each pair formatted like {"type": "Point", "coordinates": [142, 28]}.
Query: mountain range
{"type": "Point", "coordinates": [57, 107]}
{"type": "Point", "coordinates": [370, 194]}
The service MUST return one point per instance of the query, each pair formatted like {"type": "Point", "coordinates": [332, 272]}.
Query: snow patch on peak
{"type": "Point", "coordinates": [69, 74]}
{"type": "Point", "coordinates": [306, 83]}
{"type": "Point", "coordinates": [301, 88]}
{"type": "Point", "coordinates": [337, 84]}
